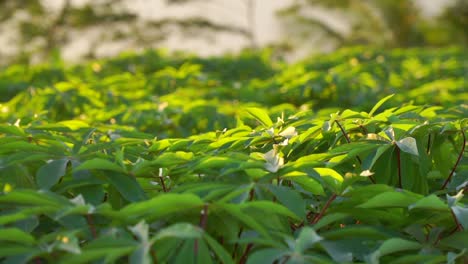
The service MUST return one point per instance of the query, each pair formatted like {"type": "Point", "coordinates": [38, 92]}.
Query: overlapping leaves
{"type": "Point", "coordinates": [259, 185]}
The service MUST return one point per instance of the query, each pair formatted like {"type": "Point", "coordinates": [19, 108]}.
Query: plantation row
{"type": "Point", "coordinates": [171, 159]}
{"type": "Point", "coordinates": [179, 96]}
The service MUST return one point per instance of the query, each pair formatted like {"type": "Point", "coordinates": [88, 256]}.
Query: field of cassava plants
{"type": "Point", "coordinates": [358, 156]}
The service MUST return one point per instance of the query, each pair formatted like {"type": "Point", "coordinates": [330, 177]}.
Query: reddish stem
{"type": "Point", "coordinates": [251, 196]}
{"type": "Point", "coordinates": [204, 217]}
{"type": "Point", "coordinates": [243, 259]}
{"type": "Point", "coordinates": [285, 260]}
{"type": "Point", "coordinates": [364, 129]}
{"type": "Point", "coordinates": [343, 132]}
{"type": "Point", "coordinates": [92, 228]}
{"type": "Point", "coordinates": [322, 212]}
{"type": "Point", "coordinates": [233, 255]}
{"type": "Point", "coordinates": [153, 255]}
{"type": "Point", "coordinates": [459, 227]}
{"type": "Point", "coordinates": [203, 220]}
{"type": "Point", "coordinates": [161, 178]}
{"type": "Point", "coordinates": [460, 155]}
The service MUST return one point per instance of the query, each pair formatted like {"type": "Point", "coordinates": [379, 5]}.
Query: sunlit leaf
{"type": "Point", "coordinates": [261, 116]}
{"type": "Point", "coordinates": [379, 104]}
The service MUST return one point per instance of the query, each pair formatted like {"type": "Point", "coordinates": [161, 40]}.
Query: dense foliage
{"type": "Point", "coordinates": [154, 158]}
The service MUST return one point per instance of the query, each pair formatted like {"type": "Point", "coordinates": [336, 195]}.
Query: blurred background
{"type": "Point", "coordinates": [32, 31]}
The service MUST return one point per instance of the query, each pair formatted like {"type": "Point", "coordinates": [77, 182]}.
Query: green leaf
{"type": "Point", "coordinates": [379, 104]}
{"type": "Point", "coordinates": [461, 214]}
{"type": "Point", "coordinates": [329, 219]}
{"type": "Point", "coordinates": [69, 242]}
{"type": "Point", "coordinates": [291, 199]}
{"type": "Point", "coordinates": [31, 197]}
{"type": "Point", "coordinates": [390, 200]}
{"type": "Point", "coordinates": [420, 258]}
{"type": "Point", "coordinates": [185, 253]}
{"type": "Point", "coordinates": [15, 250]}
{"type": "Point", "coordinates": [74, 124]}
{"type": "Point", "coordinates": [331, 177]}
{"type": "Point", "coordinates": [16, 235]}
{"type": "Point", "coordinates": [160, 206]}
{"type": "Point", "coordinates": [431, 202]}
{"type": "Point", "coordinates": [18, 146]}
{"type": "Point", "coordinates": [218, 249]}
{"type": "Point", "coordinates": [12, 129]}
{"type": "Point", "coordinates": [266, 256]}
{"type": "Point", "coordinates": [236, 212]}
{"type": "Point", "coordinates": [49, 174]}
{"type": "Point", "coordinates": [213, 162]}
{"type": "Point", "coordinates": [174, 158]}
{"type": "Point", "coordinates": [179, 230]}
{"type": "Point", "coordinates": [394, 245]}
{"type": "Point", "coordinates": [369, 164]}
{"type": "Point", "coordinates": [408, 145]}
{"type": "Point", "coordinates": [270, 208]}
{"type": "Point", "coordinates": [109, 255]}
{"type": "Point", "coordinates": [356, 231]}
{"type": "Point", "coordinates": [307, 238]}
{"type": "Point", "coordinates": [458, 240]}
{"type": "Point", "coordinates": [307, 183]}
{"type": "Point", "coordinates": [127, 186]}
{"type": "Point", "coordinates": [261, 116]}
{"type": "Point", "coordinates": [99, 164]}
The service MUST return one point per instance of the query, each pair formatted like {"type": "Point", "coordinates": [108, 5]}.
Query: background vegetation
{"type": "Point", "coordinates": [40, 31]}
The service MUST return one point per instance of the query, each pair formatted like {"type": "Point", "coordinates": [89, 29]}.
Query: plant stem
{"type": "Point", "coordinates": [243, 258]}
{"type": "Point", "coordinates": [322, 212]}
{"type": "Point", "coordinates": [343, 132]}
{"type": "Point", "coordinates": [203, 220]}
{"type": "Point", "coordinates": [364, 129]}
{"type": "Point", "coordinates": [153, 255]}
{"type": "Point", "coordinates": [458, 225]}
{"type": "Point", "coordinates": [233, 255]}
{"type": "Point", "coordinates": [89, 220]}
{"type": "Point", "coordinates": [428, 149]}
{"type": "Point", "coordinates": [161, 178]}
{"type": "Point", "coordinates": [251, 196]}
{"type": "Point", "coordinates": [460, 155]}
{"type": "Point", "coordinates": [400, 185]}
{"type": "Point", "coordinates": [204, 217]}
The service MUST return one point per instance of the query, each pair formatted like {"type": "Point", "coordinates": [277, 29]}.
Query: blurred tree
{"type": "Point", "coordinates": [452, 25]}
{"type": "Point", "coordinates": [386, 23]}
{"type": "Point", "coordinates": [41, 31]}
{"type": "Point", "coordinates": [249, 14]}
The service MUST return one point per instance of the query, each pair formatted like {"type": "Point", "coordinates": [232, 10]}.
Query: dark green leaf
{"type": "Point", "coordinates": [99, 164]}
{"type": "Point", "coordinates": [49, 174]}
